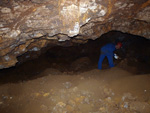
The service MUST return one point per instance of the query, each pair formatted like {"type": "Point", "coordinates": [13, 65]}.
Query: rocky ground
{"type": "Point", "coordinates": [95, 91]}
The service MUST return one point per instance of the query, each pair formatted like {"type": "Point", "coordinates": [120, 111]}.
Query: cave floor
{"type": "Point", "coordinates": [95, 91]}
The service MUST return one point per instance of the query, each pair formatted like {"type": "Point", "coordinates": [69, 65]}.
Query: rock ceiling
{"type": "Point", "coordinates": [29, 25]}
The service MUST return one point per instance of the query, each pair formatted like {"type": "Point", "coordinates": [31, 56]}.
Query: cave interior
{"type": "Point", "coordinates": [49, 53]}
{"type": "Point", "coordinates": [134, 56]}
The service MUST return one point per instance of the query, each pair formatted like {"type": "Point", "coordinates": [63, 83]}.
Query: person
{"type": "Point", "coordinates": [108, 51]}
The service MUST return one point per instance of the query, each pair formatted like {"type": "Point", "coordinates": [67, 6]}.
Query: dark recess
{"type": "Point", "coordinates": [135, 51]}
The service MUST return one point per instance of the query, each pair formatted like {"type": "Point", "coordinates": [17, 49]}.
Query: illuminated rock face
{"type": "Point", "coordinates": [29, 25]}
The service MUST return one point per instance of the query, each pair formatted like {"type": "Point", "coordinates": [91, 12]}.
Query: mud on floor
{"type": "Point", "coordinates": [96, 91]}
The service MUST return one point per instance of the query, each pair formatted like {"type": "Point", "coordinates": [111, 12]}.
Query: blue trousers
{"type": "Point", "coordinates": [110, 60]}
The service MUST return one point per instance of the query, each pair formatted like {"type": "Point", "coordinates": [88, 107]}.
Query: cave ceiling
{"type": "Point", "coordinates": [29, 25]}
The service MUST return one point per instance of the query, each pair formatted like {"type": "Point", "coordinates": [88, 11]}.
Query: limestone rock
{"type": "Point", "coordinates": [26, 23]}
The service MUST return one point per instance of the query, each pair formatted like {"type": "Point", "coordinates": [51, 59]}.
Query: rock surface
{"type": "Point", "coordinates": [27, 25]}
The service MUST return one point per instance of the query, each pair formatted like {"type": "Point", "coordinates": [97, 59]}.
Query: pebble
{"type": "Point", "coordinates": [102, 109]}
{"type": "Point", "coordinates": [46, 94]}
{"type": "Point", "coordinates": [108, 99]}
{"type": "Point", "coordinates": [69, 108]}
{"type": "Point", "coordinates": [141, 107]}
{"type": "Point", "coordinates": [67, 85]}
{"type": "Point", "coordinates": [10, 97]}
{"type": "Point", "coordinates": [126, 105]}
{"type": "Point", "coordinates": [128, 96]}
{"type": "Point", "coordinates": [87, 100]}
{"type": "Point", "coordinates": [5, 97]}
{"type": "Point", "coordinates": [112, 94]}
{"type": "Point", "coordinates": [75, 89]}
{"type": "Point", "coordinates": [82, 78]}
{"type": "Point", "coordinates": [61, 104]}
{"type": "Point", "coordinates": [72, 103]}
{"type": "Point", "coordinates": [44, 108]}
{"type": "Point", "coordinates": [5, 10]}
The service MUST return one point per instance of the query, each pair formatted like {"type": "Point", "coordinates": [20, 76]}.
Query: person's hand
{"type": "Point", "coordinates": [116, 56]}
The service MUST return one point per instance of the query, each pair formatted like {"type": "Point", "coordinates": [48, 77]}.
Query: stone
{"type": "Point", "coordinates": [40, 1]}
{"type": "Point", "coordinates": [6, 10]}
{"type": "Point", "coordinates": [67, 85]}
{"type": "Point", "coordinates": [62, 38]}
{"type": "Point", "coordinates": [35, 49]}
{"type": "Point", "coordinates": [126, 105]}
{"type": "Point", "coordinates": [144, 14]}
{"type": "Point", "coordinates": [128, 96]}
{"type": "Point", "coordinates": [75, 89]}
{"type": "Point", "coordinates": [13, 34]}
{"type": "Point", "coordinates": [44, 108]}
{"type": "Point", "coordinates": [102, 109]}
{"type": "Point", "coordinates": [4, 30]}
{"type": "Point", "coordinates": [141, 107]}
{"type": "Point", "coordinates": [72, 103]}
{"type": "Point", "coordinates": [46, 94]}
{"type": "Point", "coordinates": [69, 108]}
{"type": "Point", "coordinates": [57, 21]}
{"type": "Point", "coordinates": [79, 99]}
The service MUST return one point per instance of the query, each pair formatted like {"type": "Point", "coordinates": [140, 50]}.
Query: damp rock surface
{"type": "Point", "coordinates": [29, 24]}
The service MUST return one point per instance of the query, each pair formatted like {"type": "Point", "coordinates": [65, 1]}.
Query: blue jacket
{"type": "Point", "coordinates": [108, 49]}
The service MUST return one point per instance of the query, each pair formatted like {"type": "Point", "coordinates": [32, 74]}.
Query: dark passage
{"type": "Point", "coordinates": [134, 56]}
{"type": "Point", "coordinates": [66, 79]}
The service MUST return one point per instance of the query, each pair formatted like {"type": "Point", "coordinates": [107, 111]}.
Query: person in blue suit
{"type": "Point", "coordinates": [108, 51]}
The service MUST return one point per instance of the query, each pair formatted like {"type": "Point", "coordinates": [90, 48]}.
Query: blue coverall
{"type": "Point", "coordinates": [108, 51]}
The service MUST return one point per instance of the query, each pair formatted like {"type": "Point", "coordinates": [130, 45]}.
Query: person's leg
{"type": "Point", "coordinates": [101, 58]}
{"type": "Point", "coordinates": [110, 61]}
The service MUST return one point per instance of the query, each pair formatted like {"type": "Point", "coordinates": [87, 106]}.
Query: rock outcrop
{"type": "Point", "coordinates": [29, 25]}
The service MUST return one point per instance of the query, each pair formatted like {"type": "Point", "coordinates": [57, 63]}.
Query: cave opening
{"type": "Point", "coordinates": [134, 56]}
{"type": "Point", "coordinates": [66, 79]}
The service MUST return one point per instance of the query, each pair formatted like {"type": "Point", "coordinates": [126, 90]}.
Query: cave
{"type": "Point", "coordinates": [60, 61]}
{"type": "Point", "coordinates": [134, 56]}
{"type": "Point", "coordinates": [50, 49]}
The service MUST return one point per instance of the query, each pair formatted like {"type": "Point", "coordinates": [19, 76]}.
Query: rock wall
{"type": "Point", "coordinates": [29, 25]}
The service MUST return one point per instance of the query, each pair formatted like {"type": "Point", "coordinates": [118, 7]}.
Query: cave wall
{"type": "Point", "coordinates": [29, 25]}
